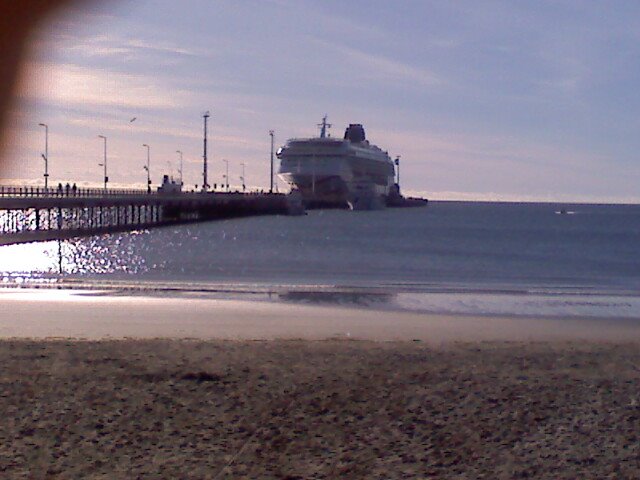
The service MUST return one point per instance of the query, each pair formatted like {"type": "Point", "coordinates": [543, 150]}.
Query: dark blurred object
{"type": "Point", "coordinates": [18, 21]}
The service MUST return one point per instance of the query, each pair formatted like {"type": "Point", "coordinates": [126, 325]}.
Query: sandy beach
{"type": "Point", "coordinates": [318, 409]}
{"type": "Point", "coordinates": [203, 389]}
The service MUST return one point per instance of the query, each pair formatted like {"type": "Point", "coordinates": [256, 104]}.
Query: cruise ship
{"type": "Point", "coordinates": [334, 172]}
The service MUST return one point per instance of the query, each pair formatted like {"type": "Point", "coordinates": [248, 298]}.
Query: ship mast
{"type": "Point", "coordinates": [323, 127]}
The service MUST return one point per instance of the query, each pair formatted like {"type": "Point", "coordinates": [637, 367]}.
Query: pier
{"type": "Point", "coordinates": [35, 214]}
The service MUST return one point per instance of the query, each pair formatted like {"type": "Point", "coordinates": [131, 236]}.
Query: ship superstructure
{"type": "Point", "coordinates": [333, 172]}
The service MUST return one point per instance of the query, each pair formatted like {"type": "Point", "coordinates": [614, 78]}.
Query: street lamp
{"type": "Point", "coordinates": [104, 164]}
{"type": "Point", "coordinates": [178, 151]}
{"type": "Point", "coordinates": [205, 181]}
{"type": "Point", "coordinates": [45, 156]}
{"type": "Point", "coordinates": [242, 178]}
{"type": "Point", "coordinates": [271, 133]}
{"type": "Point", "coordinates": [147, 167]}
{"type": "Point", "coordinates": [227, 175]}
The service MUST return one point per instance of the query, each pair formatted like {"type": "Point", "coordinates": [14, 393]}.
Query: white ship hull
{"type": "Point", "coordinates": [337, 172]}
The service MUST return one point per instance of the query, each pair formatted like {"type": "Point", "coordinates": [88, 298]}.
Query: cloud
{"type": "Point", "coordinates": [155, 127]}
{"type": "Point", "coordinates": [498, 150]}
{"type": "Point", "coordinates": [69, 84]}
{"type": "Point", "coordinates": [111, 46]}
{"type": "Point", "coordinates": [378, 66]}
{"type": "Point", "coordinates": [515, 166]}
{"type": "Point", "coordinates": [158, 127]}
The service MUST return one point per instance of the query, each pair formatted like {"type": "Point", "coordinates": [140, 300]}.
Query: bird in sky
{"type": "Point", "coordinates": [133, 119]}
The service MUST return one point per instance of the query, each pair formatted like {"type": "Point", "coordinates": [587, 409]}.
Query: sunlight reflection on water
{"type": "Point", "coordinates": [94, 255]}
{"type": "Point", "coordinates": [29, 258]}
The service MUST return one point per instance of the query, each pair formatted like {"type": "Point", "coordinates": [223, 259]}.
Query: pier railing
{"type": "Point", "coordinates": [66, 191]}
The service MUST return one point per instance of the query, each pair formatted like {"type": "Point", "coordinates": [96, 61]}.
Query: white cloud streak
{"type": "Point", "coordinates": [109, 46]}
{"type": "Point", "coordinates": [378, 66]}
{"type": "Point", "coordinates": [68, 84]}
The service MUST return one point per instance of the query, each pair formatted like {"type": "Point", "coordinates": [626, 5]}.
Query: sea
{"type": "Point", "coordinates": [473, 258]}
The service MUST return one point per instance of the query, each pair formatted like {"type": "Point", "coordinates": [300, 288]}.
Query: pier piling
{"type": "Point", "coordinates": [28, 215]}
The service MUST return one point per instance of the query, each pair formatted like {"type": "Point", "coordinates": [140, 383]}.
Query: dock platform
{"type": "Point", "coordinates": [30, 214]}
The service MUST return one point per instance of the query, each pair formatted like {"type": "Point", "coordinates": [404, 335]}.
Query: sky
{"type": "Point", "coordinates": [485, 100]}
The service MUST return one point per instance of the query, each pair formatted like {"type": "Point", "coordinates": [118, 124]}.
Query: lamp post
{"type": "Point", "coordinates": [180, 171]}
{"type": "Point", "coordinates": [244, 186]}
{"type": "Point", "coordinates": [45, 156]}
{"type": "Point", "coordinates": [271, 134]}
{"type": "Point", "coordinates": [205, 180]}
{"type": "Point", "coordinates": [104, 164]}
{"type": "Point", "coordinates": [148, 166]}
{"type": "Point", "coordinates": [227, 174]}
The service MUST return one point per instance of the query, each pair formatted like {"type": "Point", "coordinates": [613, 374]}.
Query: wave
{"type": "Point", "coordinates": [526, 305]}
{"type": "Point", "coordinates": [565, 301]}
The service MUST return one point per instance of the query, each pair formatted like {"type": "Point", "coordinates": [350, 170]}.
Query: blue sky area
{"type": "Point", "coordinates": [482, 99]}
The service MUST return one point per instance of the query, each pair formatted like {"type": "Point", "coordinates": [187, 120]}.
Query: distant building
{"type": "Point", "coordinates": [169, 186]}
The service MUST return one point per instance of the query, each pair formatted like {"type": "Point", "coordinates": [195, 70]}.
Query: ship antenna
{"type": "Point", "coordinates": [324, 126]}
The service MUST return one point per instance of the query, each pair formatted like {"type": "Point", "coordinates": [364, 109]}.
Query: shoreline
{"type": "Point", "coordinates": [53, 313]}
{"type": "Point", "coordinates": [260, 286]}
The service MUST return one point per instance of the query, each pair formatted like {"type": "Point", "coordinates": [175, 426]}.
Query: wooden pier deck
{"type": "Point", "coordinates": [28, 215]}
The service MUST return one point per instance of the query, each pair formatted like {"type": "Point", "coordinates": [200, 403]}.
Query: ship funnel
{"type": "Point", "coordinates": [355, 133]}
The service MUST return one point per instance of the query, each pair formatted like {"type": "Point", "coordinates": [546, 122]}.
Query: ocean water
{"type": "Point", "coordinates": [450, 257]}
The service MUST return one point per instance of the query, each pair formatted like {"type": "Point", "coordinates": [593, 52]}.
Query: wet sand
{"type": "Point", "coordinates": [73, 314]}
{"type": "Point", "coordinates": [272, 390]}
